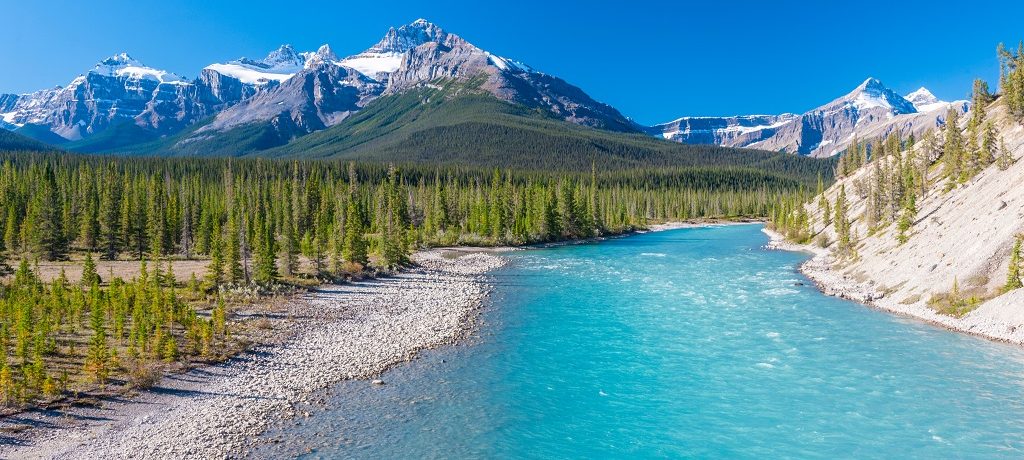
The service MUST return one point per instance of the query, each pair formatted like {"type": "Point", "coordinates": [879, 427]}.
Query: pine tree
{"type": "Point", "coordinates": [219, 318]}
{"type": "Point", "coordinates": [1013, 275]}
{"type": "Point", "coordinates": [289, 241]}
{"type": "Point", "coordinates": [97, 362]}
{"type": "Point", "coordinates": [842, 222]}
{"type": "Point", "coordinates": [1004, 160]}
{"type": "Point", "coordinates": [89, 219]}
{"type": "Point", "coordinates": [215, 270]}
{"type": "Point", "coordinates": [989, 138]}
{"type": "Point", "coordinates": [109, 215]}
{"type": "Point", "coordinates": [354, 250]}
{"type": "Point", "coordinates": [953, 148]}
{"type": "Point", "coordinates": [906, 218]}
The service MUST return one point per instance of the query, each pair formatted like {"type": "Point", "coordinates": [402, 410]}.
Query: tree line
{"type": "Point", "coordinates": [265, 213]}
{"type": "Point", "coordinates": [261, 222]}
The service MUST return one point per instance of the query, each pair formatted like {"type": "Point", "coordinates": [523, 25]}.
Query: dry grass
{"type": "Point", "coordinates": [124, 269]}
{"type": "Point", "coordinates": [910, 300]}
{"type": "Point", "coordinates": [143, 374]}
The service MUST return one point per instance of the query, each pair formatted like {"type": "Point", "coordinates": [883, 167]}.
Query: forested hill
{"type": "Point", "coordinates": [10, 141]}
{"type": "Point", "coordinates": [454, 124]}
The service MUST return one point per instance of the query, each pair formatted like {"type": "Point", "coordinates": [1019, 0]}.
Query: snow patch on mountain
{"type": "Point", "coordinates": [123, 65]}
{"type": "Point", "coordinates": [385, 57]}
{"type": "Point", "coordinates": [507, 64]}
{"type": "Point", "coordinates": [372, 65]}
{"type": "Point", "coordinates": [279, 65]}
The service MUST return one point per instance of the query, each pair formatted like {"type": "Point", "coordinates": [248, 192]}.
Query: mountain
{"type": "Point", "coordinates": [737, 130]}
{"type": "Point", "coordinates": [456, 122]}
{"type": "Point", "coordinates": [119, 90]}
{"type": "Point", "coordinates": [283, 96]}
{"type": "Point", "coordinates": [924, 101]}
{"type": "Point", "coordinates": [870, 110]}
{"type": "Point", "coordinates": [320, 93]}
{"type": "Point", "coordinates": [463, 123]}
{"type": "Point", "coordinates": [327, 89]}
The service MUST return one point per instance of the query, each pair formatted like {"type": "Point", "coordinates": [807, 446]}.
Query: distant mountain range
{"type": "Point", "coordinates": [295, 92]}
{"type": "Point", "coordinates": [261, 106]}
{"type": "Point", "coordinates": [869, 111]}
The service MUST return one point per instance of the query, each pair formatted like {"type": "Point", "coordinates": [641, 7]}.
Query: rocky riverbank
{"type": "Point", "coordinates": [351, 331]}
{"type": "Point", "coordinates": [999, 319]}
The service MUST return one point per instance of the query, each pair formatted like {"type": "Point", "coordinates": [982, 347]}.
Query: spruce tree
{"type": "Point", "coordinates": [232, 251]}
{"type": "Point", "coordinates": [265, 272]}
{"type": "Point", "coordinates": [393, 242]}
{"type": "Point", "coordinates": [51, 240]}
{"type": "Point", "coordinates": [89, 275]}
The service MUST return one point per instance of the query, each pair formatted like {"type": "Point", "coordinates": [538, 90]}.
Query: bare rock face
{"type": "Point", "coordinates": [449, 57]}
{"type": "Point", "coordinates": [870, 110]}
{"type": "Point", "coordinates": [314, 98]}
{"type": "Point", "coordinates": [216, 88]}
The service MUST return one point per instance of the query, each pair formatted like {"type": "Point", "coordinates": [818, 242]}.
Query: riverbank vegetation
{"type": "Point", "coordinates": [255, 225]}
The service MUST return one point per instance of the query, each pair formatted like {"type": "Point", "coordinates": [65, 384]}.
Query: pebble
{"type": "Point", "coordinates": [355, 334]}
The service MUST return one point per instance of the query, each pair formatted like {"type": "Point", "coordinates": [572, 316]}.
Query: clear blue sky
{"type": "Point", "coordinates": [654, 61]}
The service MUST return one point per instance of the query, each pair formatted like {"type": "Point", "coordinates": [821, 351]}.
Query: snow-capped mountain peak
{"type": "Point", "coordinates": [123, 65]}
{"type": "Point", "coordinates": [282, 57]}
{"type": "Point", "coordinates": [873, 94]}
{"type": "Point", "coordinates": [408, 37]}
{"type": "Point", "coordinates": [116, 61]}
{"type": "Point", "coordinates": [385, 57]}
{"type": "Point", "coordinates": [323, 55]}
{"type": "Point", "coordinates": [924, 100]}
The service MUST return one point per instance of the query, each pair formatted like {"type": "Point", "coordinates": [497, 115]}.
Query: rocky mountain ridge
{"type": "Point", "coordinates": [870, 110]}
{"type": "Point", "coordinates": [295, 92]}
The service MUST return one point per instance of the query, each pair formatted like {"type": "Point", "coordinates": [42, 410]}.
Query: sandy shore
{"type": "Point", "coordinates": [998, 320]}
{"type": "Point", "coordinates": [352, 331]}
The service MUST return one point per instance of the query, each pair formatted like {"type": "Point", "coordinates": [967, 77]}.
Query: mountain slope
{"type": "Point", "coordinates": [10, 141]}
{"type": "Point", "coordinates": [870, 110]}
{"type": "Point", "coordinates": [460, 123]}
{"type": "Point", "coordinates": [959, 243]}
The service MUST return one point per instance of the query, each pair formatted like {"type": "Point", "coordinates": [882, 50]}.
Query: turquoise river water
{"type": "Point", "coordinates": [685, 343]}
